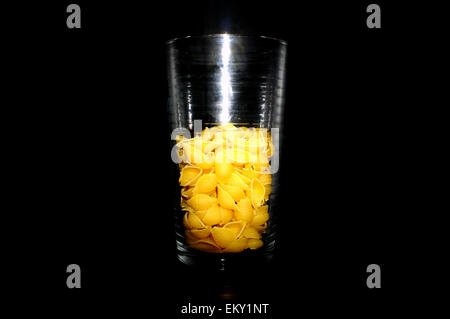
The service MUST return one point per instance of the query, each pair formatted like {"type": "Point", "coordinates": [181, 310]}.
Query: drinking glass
{"type": "Point", "coordinates": [225, 108]}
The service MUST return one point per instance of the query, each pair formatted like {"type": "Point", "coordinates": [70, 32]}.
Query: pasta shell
{"type": "Point", "coordinates": [236, 192]}
{"type": "Point", "coordinates": [212, 216]}
{"type": "Point", "coordinates": [225, 215]}
{"type": "Point", "coordinates": [244, 178]}
{"type": "Point", "coordinates": [201, 201]}
{"type": "Point", "coordinates": [220, 152]}
{"type": "Point", "coordinates": [223, 171]}
{"type": "Point", "coordinates": [250, 173]}
{"type": "Point", "coordinates": [261, 216]}
{"type": "Point", "coordinates": [237, 227]}
{"type": "Point", "coordinates": [210, 146]}
{"type": "Point", "coordinates": [186, 207]}
{"type": "Point", "coordinates": [262, 161]}
{"type": "Point", "coordinates": [223, 236]}
{"type": "Point", "coordinates": [255, 243]}
{"type": "Point", "coordinates": [210, 241]}
{"type": "Point", "coordinates": [261, 228]}
{"type": "Point", "coordinates": [207, 245]}
{"type": "Point", "coordinates": [200, 233]}
{"type": "Point", "coordinates": [213, 193]}
{"type": "Point", "coordinates": [262, 168]}
{"type": "Point", "coordinates": [194, 221]}
{"type": "Point", "coordinates": [242, 144]}
{"type": "Point", "coordinates": [192, 153]}
{"type": "Point", "coordinates": [206, 162]}
{"type": "Point", "coordinates": [245, 212]}
{"type": "Point", "coordinates": [257, 193]}
{"type": "Point", "coordinates": [238, 156]}
{"type": "Point", "coordinates": [237, 246]}
{"type": "Point", "coordinates": [265, 179]}
{"type": "Point", "coordinates": [225, 199]}
{"type": "Point", "coordinates": [207, 134]}
{"type": "Point", "coordinates": [262, 210]}
{"type": "Point", "coordinates": [201, 214]}
{"type": "Point", "coordinates": [189, 175]}
{"type": "Point", "coordinates": [205, 184]}
{"type": "Point", "coordinates": [187, 192]}
{"type": "Point", "coordinates": [235, 180]}
{"type": "Point", "coordinates": [251, 232]}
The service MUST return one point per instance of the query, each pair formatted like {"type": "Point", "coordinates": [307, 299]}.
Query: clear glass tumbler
{"type": "Point", "coordinates": [226, 99]}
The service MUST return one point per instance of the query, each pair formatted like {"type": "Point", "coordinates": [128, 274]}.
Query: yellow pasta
{"type": "Point", "coordinates": [251, 232]}
{"type": "Point", "coordinates": [225, 188]}
{"type": "Point", "coordinates": [225, 199]}
{"type": "Point", "coordinates": [187, 192]}
{"type": "Point", "coordinates": [261, 228]}
{"type": "Point", "coordinates": [206, 184]}
{"type": "Point", "coordinates": [245, 211]}
{"type": "Point", "coordinates": [223, 236]}
{"type": "Point", "coordinates": [201, 233]}
{"type": "Point", "coordinates": [261, 216]}
{"type": "Point", "coordinates": [189, 175]}
{"type": "Point", "coordinates": [206, 244]}
{"type": "Point", "coordinates": [235, 192]}
{"type": "Point", "coordinates": [236, 180]}
{"type": "Point", "coordinates": [237, 246]}
{"type": "Point", "coordinates": [265, 179]}
{"type": "Point", "coordinates": [194, 221]}
{"type": "Point", "coordinates": [201, 213]}
{"type": "Point", "coordinates": [212, 216]}
{"type": "Point", "coordinates": [255, 243]}
{"type": "Point", "coordinates": [223, 171]}
{"type": "Point", "coordinates": [201, 201]}
{"type": "Point", "coordinates": [257, 192]}
{"type": "Point", "coordinates": [244, 178]}
{"type": "Point", "coordinates": [236, 226]}
{"type": "Point", "coordinates": [225, 215]}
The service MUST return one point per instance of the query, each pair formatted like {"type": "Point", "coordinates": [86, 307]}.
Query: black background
{"type": "Point", "coordinates": [99, 174]}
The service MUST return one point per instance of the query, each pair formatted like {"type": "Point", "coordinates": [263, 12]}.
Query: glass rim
{"type": "Point", "coordinates": [232, 35]}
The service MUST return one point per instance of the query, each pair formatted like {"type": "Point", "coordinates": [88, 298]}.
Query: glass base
{"type": "Point", "coordinates": [227, 262]}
